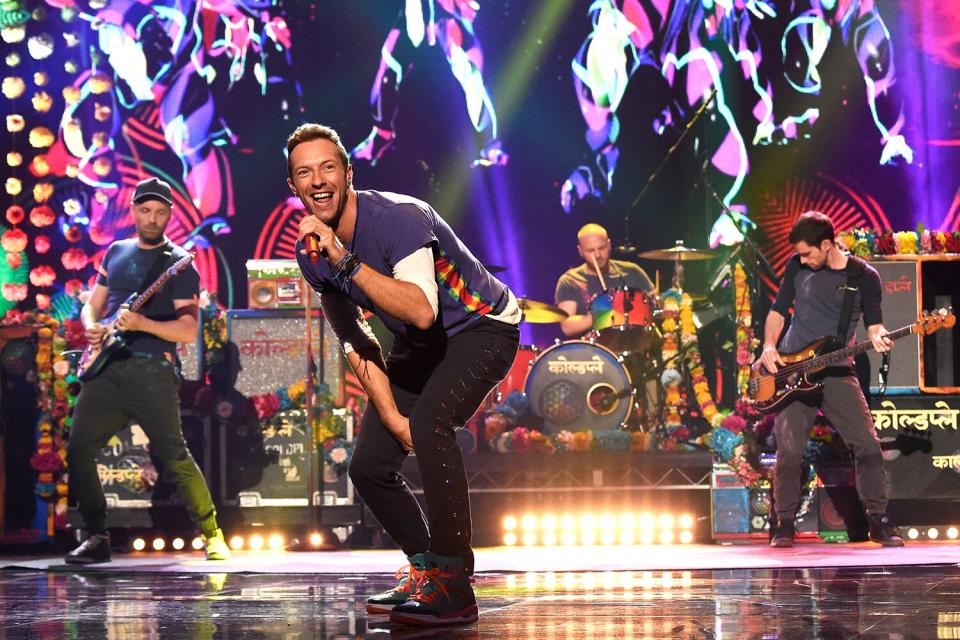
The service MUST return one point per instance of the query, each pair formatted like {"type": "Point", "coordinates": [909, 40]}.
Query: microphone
{"type": "Point", "coordinates": [312, 242]}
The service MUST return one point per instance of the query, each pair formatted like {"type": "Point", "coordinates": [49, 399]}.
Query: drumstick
{"type": "Point", "coordinates": [656, 283]}
{"type": "Point", "coordinates": [603, 285]}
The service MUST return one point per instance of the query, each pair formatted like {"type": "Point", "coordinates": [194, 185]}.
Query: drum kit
{"type": "Point", "coordinates": [594, 382]}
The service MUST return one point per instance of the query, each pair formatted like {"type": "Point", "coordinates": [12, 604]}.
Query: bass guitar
{"type": "Point", "coordinates": [770, 391]}
{"type": "Point", "coordinates": [94, 359]}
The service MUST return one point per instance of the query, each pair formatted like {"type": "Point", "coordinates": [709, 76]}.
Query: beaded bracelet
{"type": "Point", "coordinates": [348, 266]}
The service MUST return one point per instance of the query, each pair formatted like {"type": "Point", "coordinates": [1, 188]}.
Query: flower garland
{"type": "Point", "coordinates": [503, 431]}
{"type": "Point", "coordinates": [746, 340]}
{"type": "Point", "coordinates": [57, 390]}
{"type": "Point", "coordinates": [673, 404]}
{"type": "Point", "coordinates": [701, 387]}
{"type": "Point", "coordinates": [866, 242]}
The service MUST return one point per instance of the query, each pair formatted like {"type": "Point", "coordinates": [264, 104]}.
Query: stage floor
{"type": "Point", "coordinates": [692, 591]}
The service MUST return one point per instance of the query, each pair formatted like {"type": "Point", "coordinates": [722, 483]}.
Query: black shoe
{"type": "Point", "coordinates": [94, 549]}
{"type": "Point", "coordinates": [882, 532]}
{"type": "Point", "coordinates": [783, 534]}
{"type": "Point", "coordinates": [409, 577]}
{"type": "Point", "coordinates": [443, 596]}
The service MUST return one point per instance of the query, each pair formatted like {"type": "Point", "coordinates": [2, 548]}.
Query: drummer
{"type": "Point", "coordinates": [579, 285]}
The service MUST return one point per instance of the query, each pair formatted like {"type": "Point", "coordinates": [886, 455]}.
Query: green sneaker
{"type": "Point", "coordinates": [443, 596]}
{"type": "Point", "coordinates": [409, 577]}
{"type": "Point", "coordinates": [216, 547]}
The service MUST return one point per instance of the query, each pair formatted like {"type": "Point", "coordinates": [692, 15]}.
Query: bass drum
{"type": "Point", "coordinates": [578, 385]}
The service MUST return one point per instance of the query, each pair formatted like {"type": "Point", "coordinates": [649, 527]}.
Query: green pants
{"type": "Point", "coordinates": [142, 390]}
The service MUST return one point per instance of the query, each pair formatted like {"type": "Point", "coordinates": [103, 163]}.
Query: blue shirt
{"type": "Point", "coordinates": [390, 227]}
{"type": "Point", "coordinates": [124, 267]}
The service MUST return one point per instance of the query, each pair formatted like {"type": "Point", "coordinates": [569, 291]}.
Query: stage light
{"type": "Point", "coordinates": [952, 533]}
{"type": "Point", "coordinates": [607, 522]}
{"type": "Point", "coordinates": [666, 537]}
{"type": "Point", "coordinates": [686, 537]}
{"type": "Point", "coordinates": [588, 538]}
{"type": "Point", "coordinates": [588, 522]}
{"type": "Point", "coordinates": [685, 521]}
{"type": "Point", "coordinates": [913, 534]}
{"type": "Point", "coordinates": [647, 537]}
{"type": "Point", "coordinates": [933, 533]}
{"type": "Point", "coordinates": [569, 538]}
{"type": "Point", "coordinates": [529, 522]}
{"type": "Point", "coordinates": [255, 542]}
{"type": "Point", "coordinates": [627, 538]}
{"type": "Point", "coordinates": [607, 538]}
{"type": "Point", "coordinates": [510, 523]}
{"type": "Point", "coordinates": [197, 543]}
{"type": "Point", "coordinates": [510, 539]}
{"type": "Point", "coordinates": [236, 542]}
{"type": "Point", "coordinates": [178, 544]}
{"type": "Point", "coordinates": [316, 539]}
{"type": "Point", "coordinates": [666, 521]}
{"type": "Point", "coordinates": [275, 542]}
{"type": "Point", "coordinates": [529, 538]}
{"type": "Point", "coordinates": [139, 544]}
{"type": "Point", "coordinates": [159, 544]}
{"type": "Point", "coordinates": [647, 521]}
{"type": "Point", "coordinates": [549, 522]}
{"type": "Point", "coordinates": [549, 538]}
{"type": "Point", "coordinates": [626, 521]}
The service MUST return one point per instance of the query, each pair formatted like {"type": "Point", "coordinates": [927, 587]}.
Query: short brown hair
{"type": "Point", "coordinates": [313, 131]}
{"type": "Point", "coordinates": [813, 228]}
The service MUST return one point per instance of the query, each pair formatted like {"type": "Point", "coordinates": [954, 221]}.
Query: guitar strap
{"type": "Point", "coordinates": [855, 270]}
{"type": "Point", "coordinates": [159, 264]}
{"type": "Point", "coordinates": [856, 267]}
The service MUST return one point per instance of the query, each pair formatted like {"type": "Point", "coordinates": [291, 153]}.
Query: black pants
{"type": "Point", "coordinates": [843, 404]}
{"type": "Point", "coordinates": [141, 390]}
{"type": "Point", "coordinates": [439, 390]}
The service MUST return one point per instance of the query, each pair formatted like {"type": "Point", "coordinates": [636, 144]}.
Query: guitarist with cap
{"type": "Point", "coordinates": [830, 291]}
{"type": "Point", "coordinates": [139, 382]}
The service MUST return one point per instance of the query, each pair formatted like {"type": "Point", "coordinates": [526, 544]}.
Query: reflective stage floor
{"type": "Point", "coordinates": [901, 593]}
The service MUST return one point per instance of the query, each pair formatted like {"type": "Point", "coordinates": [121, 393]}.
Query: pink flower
{"type": "Point", "coordinates": [734, 423]}
{"type": "Point", "coordinates": [42, 276]}
{"type": "Point", "coordinates": [74, 259]}
{"type": "Point", "coordinates": [42, 216]}
{"type": "Point", "coordinates": [14, 292]}
{"type": "Point", "coordinates": [13, 240]}
{"type": "Point", "coordinates": [41, 244]}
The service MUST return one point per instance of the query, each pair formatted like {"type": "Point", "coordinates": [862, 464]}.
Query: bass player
{"type": "Point", "coordinates": [816, 281]}
{"type": "Point", "coordinates": [140, 383]}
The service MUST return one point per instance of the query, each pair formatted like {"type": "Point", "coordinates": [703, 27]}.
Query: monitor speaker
{"type": "Point", "coordinates": [901, 303]}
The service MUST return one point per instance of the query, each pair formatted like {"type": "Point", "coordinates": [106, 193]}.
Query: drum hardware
{"type": "Point", "coordinates": [678, 253]}
{"type": "Point", "coordinates": [540, 312]}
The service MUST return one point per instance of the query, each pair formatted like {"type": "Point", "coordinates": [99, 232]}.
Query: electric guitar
{"type": "Point", "coordinates": [770, 391]}
{"type": "Point", "coordinates": [94, 359]}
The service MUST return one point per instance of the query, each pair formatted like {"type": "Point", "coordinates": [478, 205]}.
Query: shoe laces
{"type": "Point", "coordinates": [432, 578]}
{"type": "Point", "coordinates": [412, 575]}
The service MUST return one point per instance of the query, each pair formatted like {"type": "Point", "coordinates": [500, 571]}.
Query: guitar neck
{"type": "Point", "coordinates": [144, 297]}
{"type": "Point", "coordinates": [842, 354]}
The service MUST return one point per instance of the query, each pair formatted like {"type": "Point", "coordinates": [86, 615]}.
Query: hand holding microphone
{"type": "Point", "coordinates": [312, 242]}
{"type": "Point", "coordinates": [319, 240]}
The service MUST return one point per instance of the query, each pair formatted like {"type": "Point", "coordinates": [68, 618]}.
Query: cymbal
{"type": "Point", "coordinates": [678, 252]}
{"type": "Point", "coordinates": [540, 312]}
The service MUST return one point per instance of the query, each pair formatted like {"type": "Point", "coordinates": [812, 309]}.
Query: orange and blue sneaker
{"type": "Point", "coordinates": [409, 577]}
{"type": "Point", "coordinates": [443, 595]}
